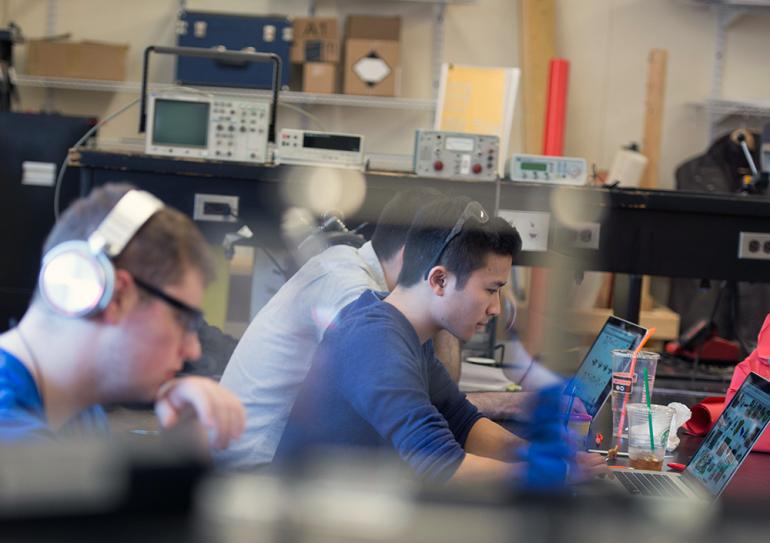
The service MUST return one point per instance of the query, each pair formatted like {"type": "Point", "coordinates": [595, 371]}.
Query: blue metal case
{"type": "Point", "coordinates": [265, 34]}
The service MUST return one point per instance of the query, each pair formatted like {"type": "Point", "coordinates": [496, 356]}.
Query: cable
{"type": "Point", "coordinates": [306, 114]}
{"type": "Point", "coordinates": [716, 304]}
{"type": "Point", "coordinates": [747, 154]}
{"type": "Point", "coordinates": [280, 268]}
{"type": "Point", "coordinates": [97, 126]}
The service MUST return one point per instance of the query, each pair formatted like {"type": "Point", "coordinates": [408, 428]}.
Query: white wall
{"type": "Point", "coordinates": [606, 41]}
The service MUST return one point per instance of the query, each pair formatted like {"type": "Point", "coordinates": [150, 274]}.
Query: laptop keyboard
{"type": "Point", "coordinates": [649, 484]}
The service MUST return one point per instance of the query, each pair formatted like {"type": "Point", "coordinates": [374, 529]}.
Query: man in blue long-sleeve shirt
{"type": "Point", "coordinates": [375, 382]}
{"type": "Point", "coordinates": [113, 318]}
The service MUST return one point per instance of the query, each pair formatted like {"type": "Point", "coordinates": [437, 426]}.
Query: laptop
{"type": "Point", "coordinates": [593, 378]}
{"type": "Point", "coordinates": [719, 456]}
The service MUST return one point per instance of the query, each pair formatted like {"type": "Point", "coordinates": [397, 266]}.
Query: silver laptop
{"type": "Point", "coordinates": [719, 456]}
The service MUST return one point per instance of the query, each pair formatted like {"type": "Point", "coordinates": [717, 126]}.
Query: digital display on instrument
{"type": "Point", "coordinates": [180, 123]}
{"type": "Point", "coordinates": [332, 142]}
{"type": "Point", "coordinates": [534, 166]}
{"type": "Point", "coordinates": [464, 145]}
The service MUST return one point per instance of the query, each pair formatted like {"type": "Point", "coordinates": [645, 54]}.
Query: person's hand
{"type": "Point", "coordinates": [216, 408]}
{"type": "Point", "coordinates": [589, 465]}
{"type": "Point", "coordinates": [569, 400]}
{"type": "Point", "coordinates": [578, 408]}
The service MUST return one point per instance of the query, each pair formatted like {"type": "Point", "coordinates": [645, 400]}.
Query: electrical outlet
{"type": "Point", "coordinates": [532, 226]}
{"type": "Point", "coordinates": [42, 174]}
{"type": "Point", "coordinates": [215, 208]}
{"type": "Point", "coordinates": [754, 245]}
{"type": "Point", "coordinates": [584, 236]}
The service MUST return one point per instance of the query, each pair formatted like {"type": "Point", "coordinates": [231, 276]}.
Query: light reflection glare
{"type": "Point", "coordinates": [323, 189]}
{"type": "Point", "coordinates": [574, 209]}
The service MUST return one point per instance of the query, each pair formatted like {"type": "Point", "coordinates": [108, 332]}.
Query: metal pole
{"type": "Point", "coordinates": [51, 15]}
{"type": "Point", "coordinates": [438, 51]}
{"type": "Point", "coordinates": [725, 16]}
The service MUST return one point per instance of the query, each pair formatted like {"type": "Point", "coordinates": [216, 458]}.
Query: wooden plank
{"type": "Point", "coordinates": [538, 47]}
{"type": "Point", "coordinates": [653, 116]}
{"type": "Point", "coordinates": [588, 322]}
{"type": "Point", "coordinates": [647, 302]}
{"type": "Point", "coordinates": [653, 135]}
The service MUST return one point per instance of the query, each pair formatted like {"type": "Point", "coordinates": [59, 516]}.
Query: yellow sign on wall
{"type": "Point", "coordinates": [478, 100]}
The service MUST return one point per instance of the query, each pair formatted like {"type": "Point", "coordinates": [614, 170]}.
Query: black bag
{"type": "Point", "coordinates": [743, 306]}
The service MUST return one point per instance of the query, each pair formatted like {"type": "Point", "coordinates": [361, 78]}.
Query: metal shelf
{"type": "Point", "coordinates": [289, 97]}
{"type": "Point", "coordinates": [447, 2]}
{"type": "Point", "coordinates": [726, 13]}
{"type": "Point", "coordinates": [358, 101]}
{"type": "Point", "coordinates": [76, 84]}
{"type": "Point", "coordinates": [727, 108]}
{"type": "Point", "coordinates": [736, 3]}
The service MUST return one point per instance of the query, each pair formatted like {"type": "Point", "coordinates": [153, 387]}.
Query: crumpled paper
{"type": "Point", "coordinates": [682, 414]}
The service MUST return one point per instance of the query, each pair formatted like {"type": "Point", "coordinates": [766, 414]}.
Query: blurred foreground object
{"type": "Point", "coordinates": [550, 457]}
{"type": "Point", "coordinates": [120, 493]}
{"type": "Point", "coordinates": [99, 477]}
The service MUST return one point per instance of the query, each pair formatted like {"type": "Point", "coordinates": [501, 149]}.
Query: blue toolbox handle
{"type": "Point", "coordinates": [216, 54]}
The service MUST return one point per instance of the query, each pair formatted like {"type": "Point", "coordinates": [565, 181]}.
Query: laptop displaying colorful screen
{"type": "Point", "coordinates": [594, 376]}
{"type": "Point", "coordinates": [730, 440]}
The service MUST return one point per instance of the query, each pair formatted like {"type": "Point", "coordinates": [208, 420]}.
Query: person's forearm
{"type": "Point", "coordinates": [475, 468]}
{"type": "Point", "coordinates": [502, 405]}
{"type": "Point", "coordinates": [491, 440]}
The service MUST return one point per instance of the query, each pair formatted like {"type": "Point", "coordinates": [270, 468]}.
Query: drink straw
{"type": "Point", "coordinates": [649, 407]}
{"type": "Point", "coordinates": [647, 336]}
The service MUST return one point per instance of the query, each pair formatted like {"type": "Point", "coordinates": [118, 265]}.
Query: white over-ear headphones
{"type": "Point", "coordinates": [77, 277]}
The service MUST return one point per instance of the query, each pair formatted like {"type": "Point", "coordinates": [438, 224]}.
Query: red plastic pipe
{"type": "Point", "coordinates": [556, 109]}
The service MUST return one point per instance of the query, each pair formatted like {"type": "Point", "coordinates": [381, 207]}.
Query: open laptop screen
{"type": "Point", "coordinates": [728, 443]}
{"type": "Point", "coordinates": [594, 376]}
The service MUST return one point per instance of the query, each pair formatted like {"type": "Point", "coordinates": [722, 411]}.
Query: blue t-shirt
{"type": "Point", "coordinates": [22, 415]}
{"type": "Point", "coordinates": [372, 384]}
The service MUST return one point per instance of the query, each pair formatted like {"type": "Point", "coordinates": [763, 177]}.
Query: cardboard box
{"type": "Point", "coordinates": [372, 67]}
{"type": "Point", "coordinates": [319, 77]}
{"type": "Point", "coordinates": [374, 28]}
{"type": "Point", "coordinates": [372, 56]}
{"type": "Point", "coordinates": [78, 60]}
{"type": "Point", "coordinates": [316, 39]}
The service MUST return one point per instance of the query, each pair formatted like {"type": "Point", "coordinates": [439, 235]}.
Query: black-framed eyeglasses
{"type": "Point", "coordinates": [473, 210]}
{"type": "Point", "coordinates": [189, 317]}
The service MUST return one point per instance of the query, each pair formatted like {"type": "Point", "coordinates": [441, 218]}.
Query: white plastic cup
{"type": "Point", "coordinates": [644, 453]}
{"type": "Point", "coordinates": [628, 387]}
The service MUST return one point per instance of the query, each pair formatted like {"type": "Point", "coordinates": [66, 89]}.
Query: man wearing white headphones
{"type": "Point", "coordinates": [113, 319]}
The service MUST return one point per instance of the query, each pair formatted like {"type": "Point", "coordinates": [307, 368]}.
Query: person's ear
{"type": "Point", "coordinates": [437, 279]}
{"type": "Point", "coordinates": [124, 297]}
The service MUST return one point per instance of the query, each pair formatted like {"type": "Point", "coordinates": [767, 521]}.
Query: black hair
{"type": "Point", "coordinates": [464, 254]}
{"type": "Point", "coordinates": [396, 218]}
